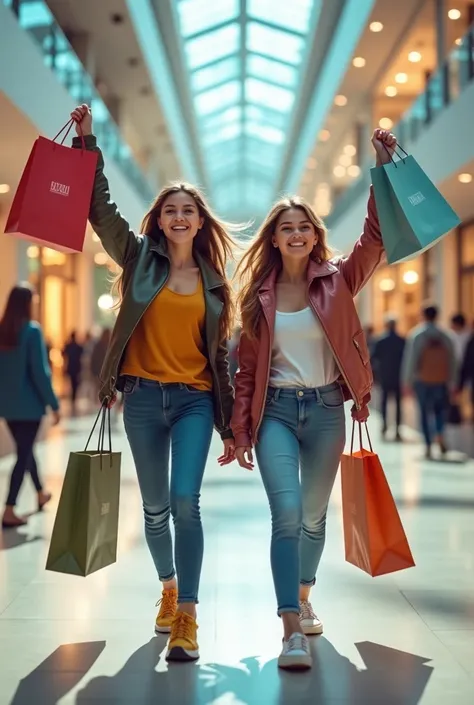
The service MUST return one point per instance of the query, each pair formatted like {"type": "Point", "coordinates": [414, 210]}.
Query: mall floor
{"type": "Point", "coordinates": [400, 639]}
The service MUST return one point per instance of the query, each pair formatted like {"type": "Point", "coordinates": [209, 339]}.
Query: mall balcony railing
{"type": "Point", "coordinates": [443, 88]}
{"type": "Point", "coordinates": [37, 19]}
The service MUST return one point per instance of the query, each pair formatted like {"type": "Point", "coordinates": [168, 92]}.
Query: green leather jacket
{"type": "Point", "coordinates": [146, 268]}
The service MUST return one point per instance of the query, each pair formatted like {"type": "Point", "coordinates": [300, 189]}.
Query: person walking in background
{"type": "Point", "coordinates": [466, 376]}
{"type": "Point", "coordinates": [73, 353]}
{"type": "Point", "coordinates": [387, 357]}
{"type": "Point", "coordinates": [460, 334]}
{"type": "Point", "coordinates": [26, 393]}
{"type": "Point", "coordinates": [168, 355]}
{"type": "Point", "coordinates": [430, 370]}
{"type": "Point", "coordinates": [302, 353]}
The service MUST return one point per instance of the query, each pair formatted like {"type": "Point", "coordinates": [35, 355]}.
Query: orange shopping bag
{"type": "Point", "coordinates": [374, 537]}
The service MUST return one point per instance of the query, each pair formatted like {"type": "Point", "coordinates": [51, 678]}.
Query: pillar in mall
{"type": "Point", "coordinates": [85, 292]}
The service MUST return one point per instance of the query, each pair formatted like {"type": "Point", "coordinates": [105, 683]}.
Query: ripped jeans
{"type": "Point", "coordinates": [158, 417]}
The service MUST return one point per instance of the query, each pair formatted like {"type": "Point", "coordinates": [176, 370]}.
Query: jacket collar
{"type": "Point", "coordinates": [210, 278]}
{"type": "Point", "coordinates": [315, 270]}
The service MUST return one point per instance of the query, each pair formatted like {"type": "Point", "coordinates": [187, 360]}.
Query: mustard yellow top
{"type": "Point", "coordinates": [167, 344]}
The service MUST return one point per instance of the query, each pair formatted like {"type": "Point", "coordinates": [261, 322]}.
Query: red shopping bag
{"type": "Point", "coordinates": [374, 537]}
{"type": "Point", "coordinates": [51, 204]}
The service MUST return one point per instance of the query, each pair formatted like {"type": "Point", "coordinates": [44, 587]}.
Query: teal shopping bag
{"type": "Point", "coordinates": [413, 214]}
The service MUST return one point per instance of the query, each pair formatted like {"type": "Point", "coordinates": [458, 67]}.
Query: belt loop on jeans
{"type": "Point", "coordinates": [317, 394]}
{"type": "Point", "coordinates": [276, 396]}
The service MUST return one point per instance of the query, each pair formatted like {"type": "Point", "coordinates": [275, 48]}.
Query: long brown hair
{"type": "Point", "coordinates": [262, 258]}
{"type": "Point", "coordinates": [17, 312]}
{"type": "Point", "coordinates": [213, 243]}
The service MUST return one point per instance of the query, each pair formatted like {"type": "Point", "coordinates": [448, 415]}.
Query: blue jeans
{"type": "Point", "coordinates": [433, 401]}
{"type": "Point", "coordinates": [303, 431]}
{"type": "Point", "coordinates": [156, 417]}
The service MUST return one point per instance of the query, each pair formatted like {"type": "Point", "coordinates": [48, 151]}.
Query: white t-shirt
{"type": "Point", "coordinates": [301, 356]}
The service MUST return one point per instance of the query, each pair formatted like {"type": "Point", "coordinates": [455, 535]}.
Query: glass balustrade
{"type": "Point", "coordinates": [36, 18]}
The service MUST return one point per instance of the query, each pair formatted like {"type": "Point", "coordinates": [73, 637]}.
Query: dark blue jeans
{"type": "Point", "coordinates": [159, 417]}
{"type": "Point", "coordinates": [302, 434]}
{"type": "Point", "coordinates": [433, 401]}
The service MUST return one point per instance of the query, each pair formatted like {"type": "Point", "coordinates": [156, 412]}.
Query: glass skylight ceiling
{"type": "Point", "coordinates": [245, 70]}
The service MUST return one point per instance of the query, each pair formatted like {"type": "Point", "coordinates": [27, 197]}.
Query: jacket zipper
{"type": "Point", "coordinates": [341, 369]}
{"type": "Point", "coordinates": [114, 379]}
{"type": "Point", "coordinates": [268, 376]}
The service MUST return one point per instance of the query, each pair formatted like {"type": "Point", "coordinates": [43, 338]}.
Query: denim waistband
{"type": "Point", "coordinates": [302, 392]}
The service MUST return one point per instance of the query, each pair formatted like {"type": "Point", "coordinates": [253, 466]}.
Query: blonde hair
{"type": "Point", "coordinates": [213, 243]}
{"type": "Point", "coordinates": [262, 258]}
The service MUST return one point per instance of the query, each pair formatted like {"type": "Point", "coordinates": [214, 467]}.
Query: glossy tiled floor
{"type": "Point", "coordinates": [397, 640]}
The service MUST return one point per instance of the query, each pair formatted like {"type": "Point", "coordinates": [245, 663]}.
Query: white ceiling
{"type": "Point", "coordinates": [141, 118]}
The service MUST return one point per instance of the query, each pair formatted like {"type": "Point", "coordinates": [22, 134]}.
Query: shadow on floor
{"type": "Point", "coordinates": [12, 538]}
{"type": "Point", "coordinates": [390, 676]}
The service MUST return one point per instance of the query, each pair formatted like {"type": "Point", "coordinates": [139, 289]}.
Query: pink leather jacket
{"type": "Point", "coordinates": [332, 288]}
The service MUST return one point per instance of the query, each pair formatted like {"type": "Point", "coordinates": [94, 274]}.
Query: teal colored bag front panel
{"type": "Point", "coordinates": [398, 237]}
{"type": "Point", "coordinates": [427, 211]}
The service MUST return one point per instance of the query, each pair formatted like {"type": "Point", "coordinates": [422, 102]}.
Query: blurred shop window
{"type": "Point", "coordinates": [466, 270]}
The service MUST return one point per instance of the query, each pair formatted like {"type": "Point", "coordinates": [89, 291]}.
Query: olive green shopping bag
{"type": "Point", "coordinates": [85, 531]}
{"type": "Point", "coordinates": [413, 214]}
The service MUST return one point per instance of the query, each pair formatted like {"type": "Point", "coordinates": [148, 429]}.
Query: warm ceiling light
{"type": "Point", "coordinates": [387, 285]}
{"type": "Point", "coordinates": [350, 150]}
{"type": "Point", "coordinates": [454, 14]}
{"type": "Point", "coordinates": [4, 188]}
{"type": "Point", "coordinates": [324, 135]}
{"type": "Point", "coordinates": [345, 160]}
{"type": "Point", "coordinates": [411, 277]}
{"type": "Point", "coordinates": [340, 100]}
{"type": "Point", "coordinates": [391, 91]}
{"type": "Point", "coordinates": [401, 77]}
{"type": "Point", "coordinates": [354, 171]}
{"type": "Point", "coordinates": [465, 178]}
{"type": "Point", "coordinates": [458, 41]}
{"type": "Point", "coordinates": [376, 26]}
{"type": "Point", "coordinates": [32, 252]}
{"type": "Point", "coordinates": [339, 171]}
{"type": "Point", "coordinates": [101, 259]}
{"type": "Point", "coordinates": [386, 123]}
{"type": "Point", "coordinates": [105, 302]}
{"type": "Point", "coordinates": [414, 57]}
{"type": "Point", "coordinates": [359, 62]}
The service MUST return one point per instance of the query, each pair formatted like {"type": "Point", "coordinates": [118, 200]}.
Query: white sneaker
{"type": "Point", "coordinates": [295, 653]}
{"type": "Point", "coordinates": [310, 623]}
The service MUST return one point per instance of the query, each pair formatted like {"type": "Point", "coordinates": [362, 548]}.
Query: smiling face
{"type": "Point", "coordinates": [179, 218]}
{"type": "Point", "coordinates": [295, 234]}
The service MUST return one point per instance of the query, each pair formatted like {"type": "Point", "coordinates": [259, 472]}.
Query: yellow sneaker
{"type": "Point", "coordinates": [168, 607]}
{"type": "Point", "coordinates": [183, 645]}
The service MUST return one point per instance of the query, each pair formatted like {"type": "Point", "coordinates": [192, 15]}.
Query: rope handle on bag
{"type": "Point", "coordinates": [396, 153]}
{"type": "Point", "coordinates": [69, 125]}
{"type": "Point", "coordinates": [104, 415]}
{"type": "Point", "coordinates": [360, 436]}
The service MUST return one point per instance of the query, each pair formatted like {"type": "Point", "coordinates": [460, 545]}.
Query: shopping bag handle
{"type": "Point", "coordinates": [360, 436]}
{"type": "Point", "coordinates": [69, 125]}
{"type": "Point", "coordinates": [104, 416]}
{"type": "Point", "coordinates": [399, 147]}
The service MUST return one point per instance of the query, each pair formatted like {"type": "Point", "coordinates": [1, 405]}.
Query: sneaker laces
{"type": "Point", "coordinates": [306, 610]}
{"type": "Point", "coordinates": [183, 627]}
{"type": "Point", "coordinates": [167, 604]}
{"type": "Point", "coordinates": [298, 642]}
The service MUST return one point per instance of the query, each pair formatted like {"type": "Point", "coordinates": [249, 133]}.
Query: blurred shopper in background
{"type": "Point", "coordinates": [302, 353]}
{"type": "Point", "coordinates": [233, 347]}
{"type": "Point", "coordinates": [430, 370]}
{"type": "Point", "coordinates": [26, 393]}
{"type": "Point", "coordinates": [73, 353]}
{"type": "Point", "coordinates": [460, 334]}
{"type": "Point", "coordinates": [466, 376]}
{"type": "Point", "coordinates": [387, 357]}
{"type": "Point", "coordinates": [168, 355]}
